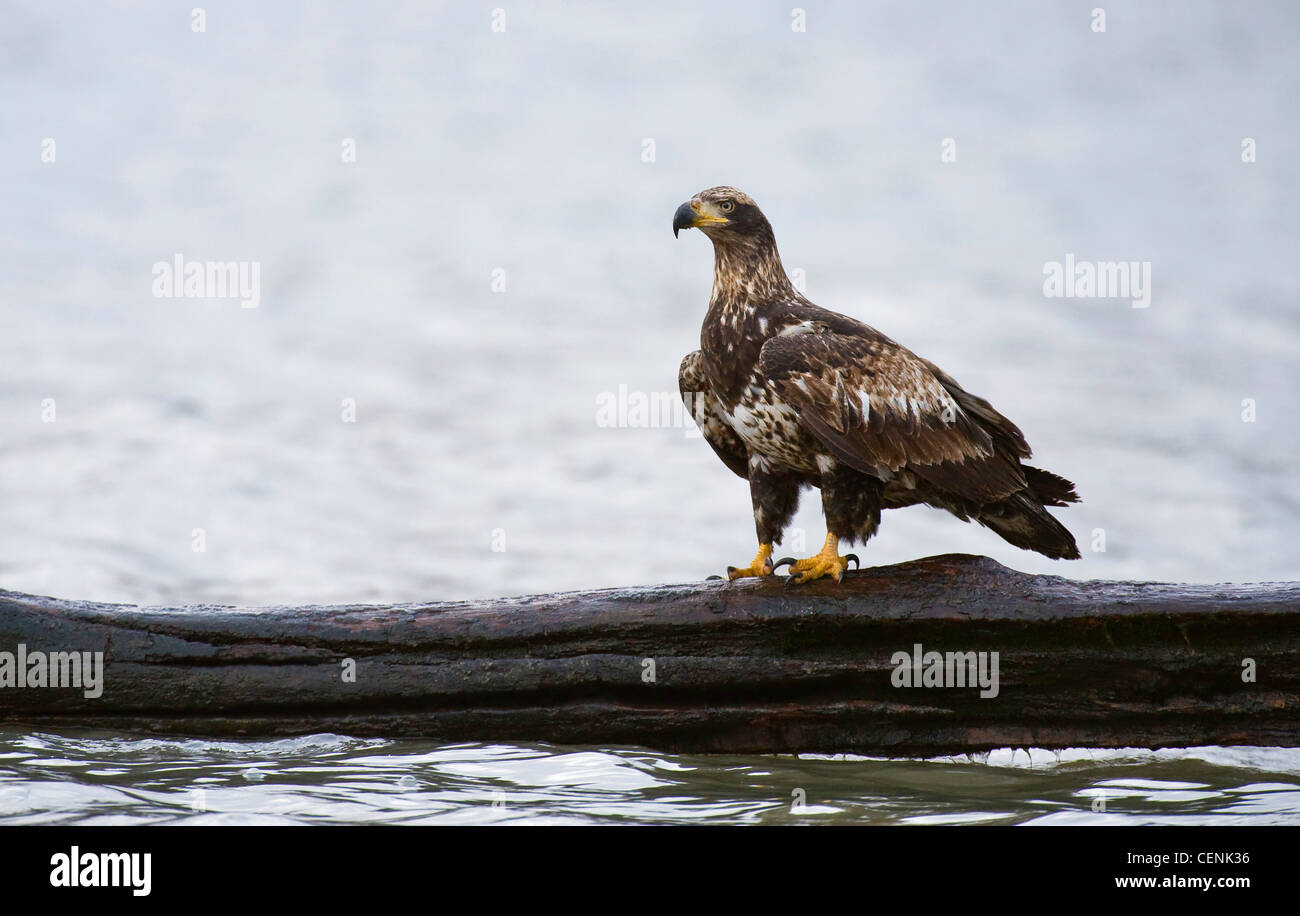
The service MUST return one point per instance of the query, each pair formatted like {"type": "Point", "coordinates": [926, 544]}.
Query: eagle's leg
{"type": "Point", "coordinates": [775, 496]}
{"type": "Point", "coordinates": [851, 502]}
{"type": "Point", "coordinates": [760, 566]}
{"type": "Point", "coordinates": [827, 563]}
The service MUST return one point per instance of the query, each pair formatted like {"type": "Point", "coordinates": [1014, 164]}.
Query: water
{"type": "Point", "coordinates": [90, 779]}
{"type": "Point", "coordinates": [476, 465]}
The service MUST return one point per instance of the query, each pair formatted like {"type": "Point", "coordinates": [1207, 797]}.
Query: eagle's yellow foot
{"type": "Point", "coordinates": [761, 565]}
{"type": "Point", "coordinates": [827, 563]}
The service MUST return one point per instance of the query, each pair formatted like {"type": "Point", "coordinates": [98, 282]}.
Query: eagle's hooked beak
{"type": "Point", "coordinates": [696, 213]}
{"type": "Point", "coordinates": [684, 218]}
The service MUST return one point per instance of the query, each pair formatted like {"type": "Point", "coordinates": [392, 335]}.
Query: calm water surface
{"type": "Point", "coordinates": [329, 779]}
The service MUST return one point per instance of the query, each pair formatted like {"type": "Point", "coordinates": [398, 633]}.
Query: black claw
{"type": "Point", "coordinates": [857, 564]}
{"type": "Point", "coordinates": [793, 580]}
{"type": "Point", "coordinates": [707, 578]}
{"type": "Point", "coordinates": [783, 562]}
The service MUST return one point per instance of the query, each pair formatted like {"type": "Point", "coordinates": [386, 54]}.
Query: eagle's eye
{"type": "Point", "coordinates": [727, 206]}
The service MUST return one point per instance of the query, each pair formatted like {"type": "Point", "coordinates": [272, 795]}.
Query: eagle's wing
{"type": "Point", "coordinates": [878, 407]}
{"type": "Point", "coordinates": [703, 406]}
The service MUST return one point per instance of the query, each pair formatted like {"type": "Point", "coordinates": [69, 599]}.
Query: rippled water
{"type": "Point", "coordinates": [476, 465]}
{"type": "Point", "coordinates": [331, 779]}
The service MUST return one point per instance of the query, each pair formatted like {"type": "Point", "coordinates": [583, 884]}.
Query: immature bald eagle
{"type": "Point", "coordinates": [792, 395]}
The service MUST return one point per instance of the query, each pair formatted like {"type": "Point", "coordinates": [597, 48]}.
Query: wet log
{"type": "Point", "coordinates": [748, 667]}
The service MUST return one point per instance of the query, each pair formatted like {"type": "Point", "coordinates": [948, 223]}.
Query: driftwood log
{"type": "Point", "coordinates": [714, 666]}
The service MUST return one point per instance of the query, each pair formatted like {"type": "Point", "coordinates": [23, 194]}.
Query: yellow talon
{"type": "Point", "coordinates": [827, 563]}
{"type": "Point", "coordinates": [760, 566]}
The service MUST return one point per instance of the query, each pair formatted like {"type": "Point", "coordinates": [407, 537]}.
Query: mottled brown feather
{"type": "Point", "coordinates": [705, 410]}
{"type": "Point", "coordinates": [880, 408]}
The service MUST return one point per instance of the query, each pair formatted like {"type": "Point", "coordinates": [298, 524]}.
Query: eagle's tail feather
{"type": "Point", "coordinates": [1020, 519]}
{"type": "Point", "coordinates": [1048, 488]}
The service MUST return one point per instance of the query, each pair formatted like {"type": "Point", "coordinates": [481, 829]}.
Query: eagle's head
{"type": "Point", "coordinates": [725, 215]}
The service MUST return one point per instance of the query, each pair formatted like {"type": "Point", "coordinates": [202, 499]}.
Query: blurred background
{"type": "Point", "coordinates": [498, 258]}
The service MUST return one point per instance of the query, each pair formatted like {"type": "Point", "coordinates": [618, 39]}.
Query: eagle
{"type": "Point", "coordinates": [790, 395]}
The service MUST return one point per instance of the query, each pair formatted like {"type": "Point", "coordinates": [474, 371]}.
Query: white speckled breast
{"type": "Point", "coordinates": [771, 428]}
